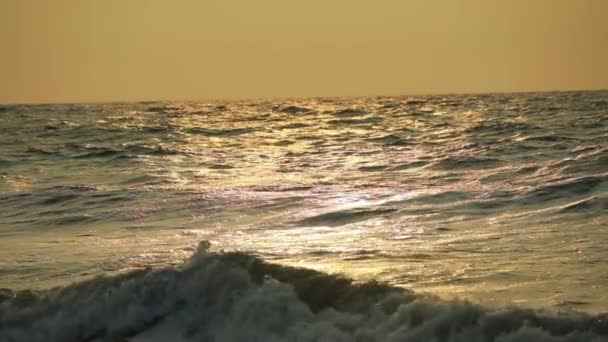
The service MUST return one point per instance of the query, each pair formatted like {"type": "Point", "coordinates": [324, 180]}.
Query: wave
{"type": "Point", "coordinates": [390, 140]}
{"type": "Point", "coordinates": [600, 103]}
{"type": "Point", "coordinates": [500, 127]}
{"type": "Point", "coordinates": [342, 217]}
{"type": "Point", "coordinates": [162, 109]}
{"type": "Point", "coordinates": [293, 125]}
{"type": "Point", "coordinates": [349, 112]}
{"type": "Point", "coordinates": [294, 110]}
{"type": "Point", "coordinates": [6, 162]}
{"type": "Point", "coordinates": [407, 165]}
{"type": "Point", "coordinates": [548, 138]}
{"type": "Point", "coordinates": [61, 205]}
{"type": "Point", "coordinates": [358, 121]}
{"type": "Point", "coordinates": [218, 132]}
{"type": "Point", "coordinates": [123, 151]}
{"type": "Point", "coordinates": [591, 205]}
{"type": "Point", "coordinates": [239, 297]}
{"type": "Point", "coordinates": [467, 162]}
{"type": "Point", "coordinates": [571, 187]}
{"type": "Point", "coordinates": [416, 102]}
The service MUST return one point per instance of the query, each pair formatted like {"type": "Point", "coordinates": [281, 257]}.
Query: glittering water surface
{"type": "Point", "coordinates": [499, 199]}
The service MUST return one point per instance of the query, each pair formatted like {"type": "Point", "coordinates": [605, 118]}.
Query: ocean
{"type": "Point", "coordinates": [409, 218]}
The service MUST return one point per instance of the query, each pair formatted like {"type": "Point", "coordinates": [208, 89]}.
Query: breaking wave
{"type": "Point", "coordinates": [239, 297]}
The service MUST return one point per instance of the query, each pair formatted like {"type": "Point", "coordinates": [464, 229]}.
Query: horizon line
{"type": "Point", "coordinates": [276, 98]}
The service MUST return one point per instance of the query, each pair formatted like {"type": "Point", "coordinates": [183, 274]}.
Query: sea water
{"type": "Point", "coordinates": [418, 218]}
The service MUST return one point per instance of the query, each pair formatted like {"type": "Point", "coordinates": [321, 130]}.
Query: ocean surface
{"type": "Point", "coordinates": [412, 218]}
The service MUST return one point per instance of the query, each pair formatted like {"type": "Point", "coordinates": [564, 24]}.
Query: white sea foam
{"type": "Point", "coordinates": [236, 297]}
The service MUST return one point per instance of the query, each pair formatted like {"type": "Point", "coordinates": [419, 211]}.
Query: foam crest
{"type": "Point", "coordinates": [238, 297]}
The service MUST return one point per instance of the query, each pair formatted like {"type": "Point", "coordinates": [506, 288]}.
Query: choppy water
{"type": "Point", "coordinates": [501, 200]}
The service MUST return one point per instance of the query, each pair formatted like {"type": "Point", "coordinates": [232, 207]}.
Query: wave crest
{"type": "Point", "coordinates": [239, 297]}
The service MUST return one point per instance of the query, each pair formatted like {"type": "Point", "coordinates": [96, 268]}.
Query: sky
{"type": "Point", "coordinates": [135, 50]}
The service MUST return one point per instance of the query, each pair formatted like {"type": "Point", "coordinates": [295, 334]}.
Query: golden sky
{"type": "Point", "coordinates": [117, 50]}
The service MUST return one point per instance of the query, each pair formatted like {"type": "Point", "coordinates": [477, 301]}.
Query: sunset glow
{"type": "Point", "coordinates": [82, 51]}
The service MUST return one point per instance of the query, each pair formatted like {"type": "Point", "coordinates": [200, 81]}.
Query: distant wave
{"type": "Point", "coordinates": [358, 121]}
{"type": "Point", "coordinates": [391, 140]}
{"type": "Point", "coordinates": [570, 187]}
{"type": "Point", "coordinates": [350, 112]}
{"type": "Point", "coordinates": [591, 205]}
{"type": "Point", "coordinates": [238, 297]}
{"type": "Point", "coordinates": [163, 109]}
{"type": "Point", "coordinates": [341, 217]}
{"type": "Point", "coordinates": [218, 132]}
{"type": "Point", "coordinates": [124, 151]}
{"type": "Point", "coordinates": [467, 162]}
{"type": "Point", "coordinates": [294, 110]}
